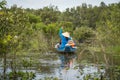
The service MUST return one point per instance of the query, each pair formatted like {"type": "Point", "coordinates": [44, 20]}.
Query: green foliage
{"type": "Point", "coordinates": [52, 29]}
{"type": "Point", "coordinates": [33, 18]}
{"type": "Point", "coordinates": [21, 75]}
{"type": "Point", "coordinates": [41, 26]}
{"type": "Point", "coordinates": [83, 33]}
{"type": "Point", "coordinates": [2, 4]}
{"type": "Point", "coordinates": [68, 26]}
{"type": "Point", "coordinates": [109, 29]}
{"type": "Point", "coordinates": [49, 15]}
{"type": "Point", "coordinates": [26, 63]}
{"type": "Point", "coordinates": [114, 49]}
{"type": "Point", "coordinates": [7, 39]}
{"type": "Point", "coordinates": [51, 78]}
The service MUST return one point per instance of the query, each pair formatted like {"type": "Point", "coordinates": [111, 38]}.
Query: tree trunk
{"type": "Point", "coordinates": [4, 71]}
{"type": "Point", "coordinates": [104, 55]}
{"type": "Point", "coordinates": [14, 68]}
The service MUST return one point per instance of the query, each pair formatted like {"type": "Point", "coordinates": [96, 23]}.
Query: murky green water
{"type": "Point", "coordinates": [60, 67]}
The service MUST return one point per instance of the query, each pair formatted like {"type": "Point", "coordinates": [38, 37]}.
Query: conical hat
{"type": "Point", "coordinates": [66, 34]}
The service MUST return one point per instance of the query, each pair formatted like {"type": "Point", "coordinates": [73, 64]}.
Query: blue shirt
{"type": "Point", "coordinates": [64, 41]}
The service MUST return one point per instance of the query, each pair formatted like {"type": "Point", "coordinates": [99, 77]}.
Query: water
{"type": "Point", "coordinates": [65, 67]}
{"type": "Point", "coordinates": [61, 67]}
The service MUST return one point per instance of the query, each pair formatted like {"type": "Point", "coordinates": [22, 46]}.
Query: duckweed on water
{"type": "Point", "coordinates": [50, 78]}
{"type": "Point", "coordinates": [21, 75]}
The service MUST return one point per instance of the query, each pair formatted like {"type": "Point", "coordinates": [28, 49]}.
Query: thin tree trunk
{"type": "Point", "coordinates": [4, 71]}
{"type": "Point", "coordinates": [105, 57]}
{"type": "Point", "coordinates": [14, 68]}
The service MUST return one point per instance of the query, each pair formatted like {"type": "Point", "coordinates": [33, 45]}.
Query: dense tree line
{"type": "Point", "coordinates": [37, 30]}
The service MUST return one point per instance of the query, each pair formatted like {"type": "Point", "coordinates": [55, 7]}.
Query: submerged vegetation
{"type": "Point", "coordinates": [27, 34]}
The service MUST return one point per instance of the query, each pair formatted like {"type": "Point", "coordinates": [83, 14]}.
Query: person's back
{"type": "Point", "coordinates": [65, 37]}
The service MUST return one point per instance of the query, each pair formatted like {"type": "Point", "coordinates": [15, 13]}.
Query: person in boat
{"type": "Point", "coordinates": [71, 43]}
{"type": "Point", "coordinates": [64, 38]}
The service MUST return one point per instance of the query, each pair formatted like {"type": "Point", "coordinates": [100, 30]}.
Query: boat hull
{"type": "Point", "coordinates": [67, 49]}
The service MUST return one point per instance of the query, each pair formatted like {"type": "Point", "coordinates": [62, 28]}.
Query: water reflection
{"type": "Point", "coordinates": [67, 60]}
{"type": "Point", "coordinates": [67, 69]}
{"type": "Point", "coordinates": [71, 70]}
{"type": "Point", "coordinates": [60, 66]}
